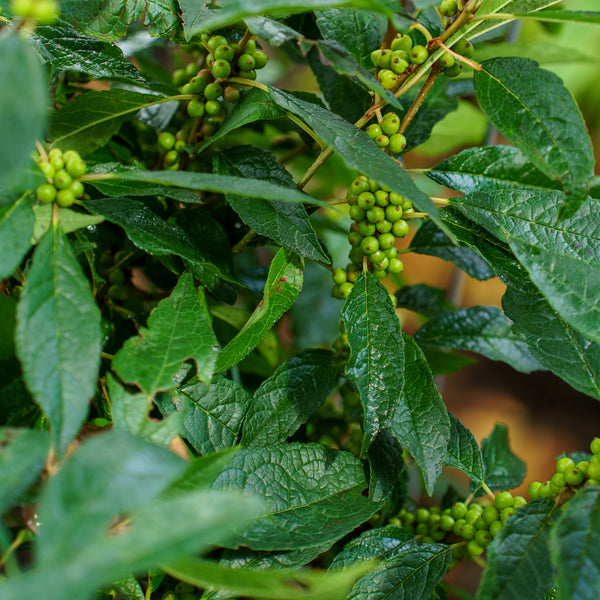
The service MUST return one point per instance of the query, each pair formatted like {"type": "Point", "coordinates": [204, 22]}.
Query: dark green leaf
{"type": "Point", "coordinates": [431, 240]}
{"type": "Point", "coordinates": [272, 31]}
{"type": "Point", "coordinates": [129, 588]}
{"type": "Point", "coordinates": [573, 543]}
{"type": "Point", "coordinates": [445, 363]}
{"type": "Point", "coordinates": [311, 585]}
{"type": "Point", "coordinates": [156, 236]}
{"type": "Point", "coordinates": [58, 337]}
{"type": "Point", "coordinates": [464, 452]}
{"type": "Point", "coordinates": [287, 399]}
{"type": "Point", "coordinates": [481, 329]}
{"type": "Point", "coordinates": [571, 286]}
{"type": "Point", "coordinates": [554, 343]}
{"type": "Point", "coordinates": [412, 575]}
{"type": "Point", "coordinates": [358, 150]}
{"type": "Point", "coordinates": [67, 50]}
{"type": "Point", "coordinates": [359, 31]}
{"type": "Point", "coordinates": [70, 220]}
{"type": "Point", "coordinates": [91, 119]}
{"type": "Point", "coordinates": [489, 168]}
{"type": "Point", "coordinates": [214, 417]}
{"type": "Point", "coordinates": [286, 224]}
{"type": "Point", "coordinates": [388, 474]}
{"type": "Point", "coordinates": [520, 544]}
{"type": "Point", "coordinates": [110, 20]}
{"type": "Point", "coordinates": [542, 50]}
{"type": "Point", "coordinates": [504, 470]}
{"type": "Point", "coordinates": [534, 110]}
{"type": "Point", "coordinates": [16, 225]}
{"type": "Point", "coordinates": [21, 123]}
{"type": "Point", "coordinates": [179, 328]}
{"type": "Point", "coordinates": [282, 288]}
{"type": "Point", "coordinates": [424, 299]}
{"type": "Point", "coordinates": [319, 494]}
{"type": "Point", "coordinates": [22, 456]}
{"type": "Point", "coordinates": [563, 16]}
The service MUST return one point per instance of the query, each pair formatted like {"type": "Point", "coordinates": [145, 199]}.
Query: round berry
{"type": "Point", "coordinates": [57, 163]}
{"type": "Point", "coordinates": [506, 513]}
{"type": "Point", "coordinates": [382, 198]}
{"type": "Point", "coordinates": [45, 193]}
{"type": "Point", "coordinates": [373, 131]}
{"type": "Point", "coordinates": [356, 213]}
{"type": "Point", "coordinates": [595, 446]}
{"type": "Point", "coordinates": [359, 185]}
{"type": "Point", "coordinates": [474, 548]}
{"type": "Point", "coordinates": [400, 228]}
{"type": "Point", "coordinates": [215, 41]}
{"type": "Point", "coordinates": [390, 126]}
{"type": "Point", "coordinates": [397, 143]}
{"type": "Point", "coordinates": [401, 42]}
{"type": "Point", "coordinates": [483, 538]}
{"type": "Point", "coordinates": [376, 214]}
{"type": "Point", "coordinates": [519, 501]}
{"type": "Point", "coordinates": [593, 470]}
{"type": "Point", "coordinates": [62, 180]}
{"type": "Point", "coordinates": [458, 510]}
{"type": "Point", "coordinates": [391, 253]}
{"type": "Point", "coordinates": [231, 94]}
{"type": "Point", "coordinates": [564, 464]}
{"type": "Point", "coordinates": [366, 200]}
{"type": "Point", "coordinates": [345, 289]}
{"type": "Point", "coordinates": [45, 12]}
{"type": "Point", "coordinates": [339, 276]}
{"type": "Point", "coordinates": [503, 500]}
{"type": "Point", "coordinates": [179, 77]}
{"type": "Point", "coordinates": [582, 466]}
{"type": "Point", "coordinates": [387, 241]}
{"type": "Point", "coordinates": [65, 198]}
{"type": "Point", "coordinates": [246, 62]}
{"type": "Point", "coordinates": [375, 57]}
{"type": "Point", "coordinates": [369, 245]}
{"type": "Point", "coordinates": [381, 274]}
{"type": "Point", "coordinates": [382, 141]}
{"type": "Point", "coordinates": [224, 52]}
{"type": "Point", "coordinates": [418, 55]}
{"type": "Point", "coordinates": [393, 213]}
{"type": "Point", "coordinates": [48, 170]}
{"type": "Point", "coordinates": [454, 70]}
{"type": "Point", "coordinates": [449, 8]}
{"type": "Point", "coordinates": [166, 140]}
{"type": "Point", "coordinates": [355, 238]}
{"type": "Point", "coordinates": [388, 79]}
{"type": "Point", "coordinates": [77, 189]}
{"type": "Point", "coordinates": [396, 199]}
{"type": "Point", "coordinates": [458, 525]}
{"type": "Point", "coordinates": [195, 108]}
{"type": "Point", "coordinates": [489, 514]}
{"type": "Point", "coordinates": [384, 59]}
{"type": "Point", "coordinates": [247, 75]}
{"type": "Point", "coordinates": [447, 60]}
{"type": "Point", "coordinates": [395, 265]}
{"type": "Point", "coordinates": [467, 531]}
{"type": "Point", "coordinates": [446, 523]}
{"type": "Point", "coordinates": [384, 226]}
{"type": "Point", "coordinates": [464, 48]}
{"type": "Point", "coordinates": [221, 68]}
{"type": "Point", "coordinates": [365, 228]}
{"type": "Point", "coordinates": [495, 527]}
{"type": "Point", "coordinates": [213, 91]}
{"type": "Point", "coordinates": [213, 107]}
{"type": "Point", "coordinates": [171, 157]}
{"type": "Point", "coordinates": [260, 59]}
{"type": "Point", "coordinates": [558, 480]}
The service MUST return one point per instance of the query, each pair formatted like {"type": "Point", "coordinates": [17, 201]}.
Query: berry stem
{"type": "Point", "coordinates": [418, 101]}
{"type": "Point", "coordinates": [319, 161]}
{"type": "Point", "coordinates": [242, 45]}
{"type": "Point", "coordinates": [415, 215]}
{"type": "Point", "coordinates": [463, 59]}
{"type": "Point", "coordinates": [55, 214]}
{"type": "Point", "coordinates": [479, 561]}
{"type": "Point", "coordinates": [422, 29]}
{"type": "Point", "coordinates": [41, 150]}
{"type": "Point", "coordinates": [243, 243]}
{"type": "Point", "coordinates": [487, 490]}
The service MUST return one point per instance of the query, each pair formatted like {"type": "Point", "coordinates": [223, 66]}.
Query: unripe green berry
{"type": "Point", "coordinates": [464, 48]}
{"type": "Point", "coordinates": [582, 466]}
{"type": "Point", "coordinates": [77, 189]}
{"type": "Point", "coordinates": [248, 74]}
{"type": "Point", "coordinates": [224, 52]}
{"type": "Point", "coordinates": [381, 264]}
{"type": "Point", "coordinates": [592, 482]}
{"type": "Point", "coordinates": [454, 70]}
{"type": "Point", "coordinates": [357, 214]}
{"type": "Point", "coordinates": [62, 180]}
{"type": "Point", "coordinates": [471, 516]}
{"type": "Point", "coordinates": [384, 226]}
{"type": "Point", "coordinates": [519, 501]}
{"type": "Point", "coordinates": [558, 480]}
{"type": "Point", "coordinates": [399, 65]}
{"type": "Point", "coordinates": [231, 94]}
{"type": "Point", "coordinates": [373, 185]}
{"type": "Point", "coordinates": [467, 531]}
{"type": "Point", "coordinates": [458, 510]}
{"type": "Point", "coordinates": [179, 77]}
{"type": "Point", "coordinates": [354, 238]}
{"type": "Point", "coordinates": [382, 141]}
{"type": "Point", "coordinates": [545, 491]}
{"type": "Point", "coordinates": [446, 523]}
{"type": "Point", "coordinates": [195, 108]}
{"type": "Point", "coordinates": [366, 228]}
{"type": "Point", "coordinates": [387, 241]}
{"type": "Point", "coordinates": [503, 500]}
{"type": "Point", "coordinates": [213, 107]}
{"type": "Point", "coordinates": [116, 277]}
{"type": "Point", "coordinates": [373, 130]}
{"type": "Point", "coordinates": [382, 198]}
{"type": "Point", "coordinates": [191, 69]}
{"type": "Point", "coordinates": [418, 54]}
{"type": "Point", "coordinates": [221, 69]}
{"type": "Point", "coordinates": [400, 228]}
{"type": "Point", "coordinates": [474, 548]}
{"type": "Point", "coordinates": [376, 214]}
{"type": "Point", "coordinates": [45, 193]}
{"type": "Point", "coordinates": [380, 274]}
{"type": "Point", "coordinates": [65, 198]}
{"type": "Point", "coordinates": [564, 464]}
{"type": "Point", "coordinates": [369, 245]}
{"type": "Point", "coordinates": [401, 42]}
{"type": "Point", "coordinates": [395, 265]}
{"type": "Point", "coordinates": [48, 170]}
{"type": "Point", "coordinates": [446, 60]}
{"type": "Point", "coordinates": [391, 252]}
{"type": "Point", "coordinates": [215, 41]}
{"type": "Point", "coordinates": [171, 157]}
{"type": "Point", "coordinates": [593, 470]}
{"type": "Point", "coordinates": [397, 143]}
{"type": "Point", "coordinates": [388, 79]}
{"type": "Point", "coordinates": [260, 59]}
{"type": "Point", "coordinates": [449, 8]}
{"type": "Point", "coordinates": [57, 163]}
{"type": "Point", "coordinates": [166, 140]}
{"type": "Point", "coordinates": [573, 477]}
{"type": "Point", "coordinates": [246, 62]}
{"type": "Point", "coordinates": [506, 513]}
{"type": "Point", "coordinates": [76, 167]}
{"type": "Point", "coordinates": [359, 185]}
{"type": "Point", "coordinates": [495, 527]}
{"type": "Point", "coordinates": [534, 489]}
{"type": "Point", "coordinates": [213, 91]}
{"type": "Point", "coordinates": [339, 276]}
{"type": "Point", "coordinates": [345, 289]}
{"type": "Point", "coordinates": [390, 126]}
{"type": "Point", "coordinates": [595, 446]}
{"type": "Point", "coordinates": [458, 525]}
{"type": "Point", "coordinates": [384, 58]}
{"type": "Point", "coordinates": [483, 538]}
{"type": "Point", "coordinates": [393, 213]}
{"type": "Point", "coordinates": [489, 514]}
{"type": "Point", "coordinates": [396, 199]}
{"type": "Point", "coordinates": [366, 200]}
{"type": "Point", "coordinates": [375, 57]}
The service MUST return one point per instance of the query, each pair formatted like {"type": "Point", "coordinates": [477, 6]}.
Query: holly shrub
{"type": "Point", "coordinates": [205, 386]}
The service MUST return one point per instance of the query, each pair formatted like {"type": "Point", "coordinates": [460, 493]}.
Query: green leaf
{"type": "Point", "coordinates": [319, 494]}
{"type": "Point", "coordinates": [129, 588]}
{"type": "Point", "coordinates": [571, 286]}
{"type": "Point", "coordinates": [179, 328]}
{"type": "Point", "coordinates": [272, 31]}
{"type": "Point", "coordinates": [214, 416]}
{"type": "Point", "coordinates": [376, 341]}
{"type": "Point", "coordinates": [403, 400]}
{"type": "Point", "coordinates": [431, 240]}
{"type": "Point", "coordinates": [359, 31]}
{"type": "Point", "coordinates": [504, 470]}
{"type": "Point", "coordinates": [553, 342]}
{"type": "Point", "coordinates": [69, 220]}
{"type": "Point", "coordinates": [158, 237]}
{"type": "Point", "coordinates": [521, 543]}
{"type": "Point", "coordinates": [312, 585]}
{"type": "Point", "coordinates": [287, 399]}
{"type": "Point", "coordinates": [22, 123]}
{"type": "Point", "coordinates": [197, 18]}
{"type": "Point", "coordinates": [424, 299]}
{"type": "Point", "coordinates": [110, 19]}
{"type": "Point", "coordinates": [573, 543]}
{"type": "Point", "coordinates": [464, 452]}
{"type": "Point", "coordinates": [489, 168]}
{"type": "Point", "coordinates": [445, 363]}
{"type": "Point", "coordinates": [22, 456]}
{"type": "Point", "coordinates": [534, 110]}
{"type": "Point", "coordinates": [562, 16]}
{"type": "Point", "coordinates": [16, 225]}
{"type": "Point", "coordinates": [388, 478]}
{"type": "Point", "coordinates": [130, 413]}
{"type": "Point", "coordinates": [357, 150]}
{"type": "Point", "coordinates": [411, 575]}
{"type": "Point", "coordinates": [91, 119]}
{"type": "Point", "coordinates": [58, 337]}
{"type": "Point", "coordinates": [222, 184]}
{"type": "Point", "coordinates": [541, 50]}
{"type": "Point", "coordinates": [66, 50]}
{"type": "Point", "coordinates": [481, 329]}
{"type": "Point", "coordinates": [286, 224]}
{"type": "Point", "coordinates": [281, 289]}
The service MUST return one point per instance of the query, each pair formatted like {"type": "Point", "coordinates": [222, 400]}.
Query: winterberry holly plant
{"type": "Point", "coordinates": [206, 389]}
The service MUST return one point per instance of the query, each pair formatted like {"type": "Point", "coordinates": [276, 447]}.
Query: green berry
{"type": "Point", "coordinates": [369, 245]}
{"type": "Point", "coordinates": [573, 477]}
{"type": "Point", "coordinates": [558, 480]}
{"type": "Point", "coordinates": [595, 446]}
{"type": "Point", "coordinates": [48, 170]}
{"type": "Point", "coordinates": [454, 70]}
{"type": "Point", "coordinates": [458, 510]}
{"type": "Point", "coordinates": [45, 193]}
{"type": "Point", "coordinates": [359, 185]}
{"type": "Point", "coordinates": [179, 77]}
{"type": "Point", "coordinates": [396, 199]}
{"type": "Point", "coordinates": [213, 107]}
{"type": "Point", "coordinates": [534, 489]}
{"type": "Point", "coordinates": [65, 198]}
{"type": "Point", "coordinates": [366, 200]}
{"type": "Point", "coordinates": [545, 491]}
{"type": "Point", "coordinates": [418, 55]}
{"type": "Point", "coordinates": [446, 523]}
{"type": "Point", "coordinates": [583, 466]}
{"type": "Point", "coordinates": [506, 513]}
{"type": "Point", "coordinates": [387, 241]}
{"type": "Point", "coordinates": [464, 48]}
{"type": "Point", "coordinates": [391, 253]}
{"type": "Point", "coordinates": [593, 470]}
{"type": "Point", "coordinates": [171, 157]}
{"type": "Point", "coordinates": [458, 525]}
{"type": "Point", "coordinates": [384, 58]}
{"type": "Point", "coordinates": [401, 42]}
{"type": "Point", "coordinates": [260, 59]}
{"type": "Point", "coordinates": [355, 238]}
{"type": "Point", "coordinates": [382, 198]}
{"type": "Point", "coordinates": [215, 41]}
{"type": "Point", "coordinates": [397, 143]}
{"type": "Point", "coordinates": [21, 8]}
{"type": "Point", "coordinates": [382, 141]}
{"type": "Point", "coordinates": [195, 108]}
{"type": "Point", "coordinates": [503, 500]}
{"type": "Point", "coordinates": [393, 213]}
{"type": "Point", "coordinates": [474, 548]}
{"type": "Point", "coordinates": [356, 213]}
{"type": "Point", "coordinates": [247, 75]}
{"type": "Point", "coordinates": [62, 180]}
{"type": "Point", "coordinates": [483, 538]}
{"type": "Point", "coordinates": [191, 69]}
{"type": "Point", "coordinates": [375, 57]}
{"type": "Point", "coordinates": [224, 52]}
{"type": "Point", "coordinates": [449, 8]}
{"type": "Point", "coordinates": [166, 140]}
{"type": "Point", "coordinates": [246, 62]}
{"type": "Point", "coordinates": [57, 163]}
{"type": "Point", "coordinates": [384, 226]}
{"type": "Point", "coordinates": [395, 265]}
{"type": "Point", "coordinates": [116, 277]}
{"type": "Point", "coordinates": [489, 514]}
{"type": "Point", "coordinates": [76, 167]}
{"type": "Point", "coordinates": [388, 79]}
{"type": "Point", "coordinates": [231, 94]}
{"type": "Point", "coordinates": [373, 130]}
{"type": "Point", "coordinates": [345, 289]}
{"type": "Point", "coordinates": [447, 60]}
{"type": "Point", "coordinates": [471, 516]}
{"type": "Point", "coordinates": [376, 214]}
{"type": "Point", "coordinates": [366, 228]}
{"type": "Point", "coordinates": [400, 228]}
{"type": "Point", "coordinates": [564, 464]}
{"type": "Point", "coordinates": [339, 276]}
{"type": "Point", "coordinates": [45, 12]}
{"type": "Point", "coordinates": [593, 482]}
{"type": "Point", "coordinates": [213, 91]}
{"type": "Point", "coordinates": [221, 69]}
{"type": "Point", "coordinates": [519, 501]}
{"type": "Point", "coordinates": [495, 527]}
{"type": "Point", "coordinates": [390, 126]}
{"type": "Point", "coordinates": [399, 64]}
{"type": "Point", "coordinates": [77, 189]}
{"type": "Point", "coordinates": [468, 531]}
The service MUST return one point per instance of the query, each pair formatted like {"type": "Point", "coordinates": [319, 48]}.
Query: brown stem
{"type": "Point", "coordinates": [414, 107]}
{"type": "Point", "coordinates": [243, 243]}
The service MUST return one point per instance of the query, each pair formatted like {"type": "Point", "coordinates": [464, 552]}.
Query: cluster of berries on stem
{"type": "Point", "coordinates": [63, 172]}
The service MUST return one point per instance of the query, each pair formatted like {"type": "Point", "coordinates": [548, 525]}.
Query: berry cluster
{"type": "Point", "coordinates": [62, 172]}
{"type": "Point", "coordinates": [569, 475]}
{"type": "Point", "coordinates": [44, 12]}
{"type": "Point", "coordinates": [172, 149]}
{"type": "Point", "coordinates": [474, 523]}
{"type": "Point", "coordinates": [385, 134]}
{"type": "Point", "coordinates": [401, 57]}
{"type": "Point", "coordinates": [450, 65]}
{"type": "Point", "coordinates": [377, 214]}
{"type": "Point", "coordinates": [210, 84]}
